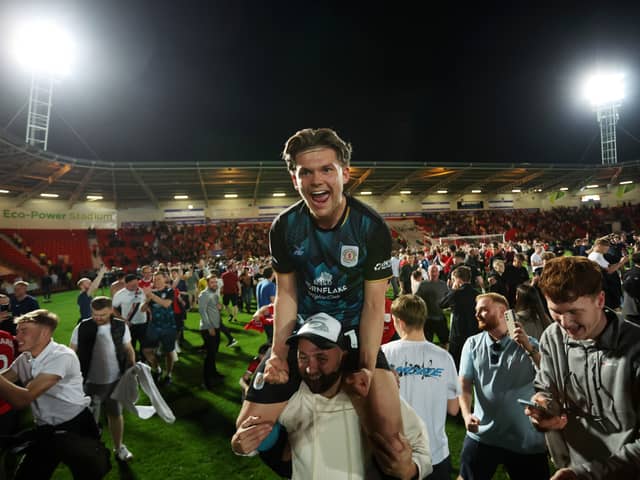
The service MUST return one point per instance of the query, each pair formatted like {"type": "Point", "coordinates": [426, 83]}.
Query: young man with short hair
{"type": "Point", "coordinates": [103, 345]}
{"type": "Point", "coordinates": [461, 299]}
{"type": "Point", "coordinates": [331, 254]}
{"type": "Point", "coordinates": [209, 306]}
{"type": "Point", "coordinates": [428, 378]}
{"type": "Point", "coordinates": [87, 288]}
{"type": "Point", "coordinates": [127, 305]}
{"type": "Point", "coordinates": [21, 303]}
{"type": "Point", "coordinates": [161, 330]}
{"type": "Point", "coordinates": [589, 378]}
{"type": "Point", "coordinates": [50, 373]}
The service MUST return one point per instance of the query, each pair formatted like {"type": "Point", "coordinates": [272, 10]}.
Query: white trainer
{"type": "Point", "coordinates": [123, 454]}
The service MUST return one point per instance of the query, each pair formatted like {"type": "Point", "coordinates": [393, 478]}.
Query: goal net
{"type": "Point", "coordinates": [459, 240]}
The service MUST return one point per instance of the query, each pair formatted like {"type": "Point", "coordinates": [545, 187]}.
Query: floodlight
{"type": "Point", "coordinates": [604, 89]}
{"type": "Point", "coordinates": [93, 198]}
{"type": "Point", "coordinates": [476, 191]}
{"type": "Point", "coordinates": [443, 191]}
{"type": "Point", "coordinates": [279, 194]}
{"type": "Point", "coordinates": [230, 195]}
{"type": "Point", "coordinates": [49, 195]}
{"type": "Point", "coordinates": [366, 192]}
{"type": "Point", "coordinates": [405, 192]}
{"type": "Point", "coordinates": [564, 189]}
{"type": "Point", "coordinates": [605, 92]}
{"type": "Point", "coordinates": [181, 197]}
{"type": "Point", "coordinates": [43, 47]}
{"type": "Point", "coordinates": [592, 186]}
{"type": "Point", "coordinates": [626, 182]}
{"type": "Point", "coordinates": [4, 191]}
{"type": "Point", "coordinates": [516, 190]}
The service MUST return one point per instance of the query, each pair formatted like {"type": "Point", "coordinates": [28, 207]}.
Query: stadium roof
{"type": "Point", "coordinates": [28, 172]}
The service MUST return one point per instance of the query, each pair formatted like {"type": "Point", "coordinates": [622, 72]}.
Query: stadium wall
{"type": "Point", "coordinates": [55, 214]}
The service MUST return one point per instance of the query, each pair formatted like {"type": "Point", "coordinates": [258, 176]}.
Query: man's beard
{"type": "Point", "coordinates": [487, 324]}
{"type": "Point", "coordinates": [323, 382]}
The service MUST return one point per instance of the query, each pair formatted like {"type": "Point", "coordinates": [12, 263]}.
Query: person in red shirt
{"type": "Point", "coordinates": [230, 291]}
{"type": "Point", "coordinates": [389, 329]}
{"type": "Point", "coordinates": [147, 279]}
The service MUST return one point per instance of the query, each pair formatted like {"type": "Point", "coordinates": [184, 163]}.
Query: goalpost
{"type": "Point", "coordinates": [474, 239]}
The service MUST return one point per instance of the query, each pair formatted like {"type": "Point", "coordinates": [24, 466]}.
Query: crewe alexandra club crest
{"type": "Point", "coordinates": [349, 255]}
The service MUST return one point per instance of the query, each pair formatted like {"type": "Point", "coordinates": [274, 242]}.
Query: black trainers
{"type": "Point", "coordinates": [232, 343]}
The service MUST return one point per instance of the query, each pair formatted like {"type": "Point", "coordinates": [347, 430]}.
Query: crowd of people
{"type": "Point", "coordinates": [558, 224]}
{"type": "Point", "coordinates": [537, 353]}
{"type": "Point", "coordinates": [175, 242]}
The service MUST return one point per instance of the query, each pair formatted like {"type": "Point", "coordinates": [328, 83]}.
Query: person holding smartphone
{"type": "Point", "coordinates": [589, 378]}
{"type": "Point", "coordinates": [496, 370]}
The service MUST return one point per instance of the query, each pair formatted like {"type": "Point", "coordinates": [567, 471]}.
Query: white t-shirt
{"type": "Point", "coordinates": [326, 440]}
{"type": "Point", "coordinates": [65, 399]}
{"type": "Point", "coordinates": [428, 378]}
{"type": "Point", "coordinates": [104, 363]}
{"type": "Point", "coordinates": [599, 259]}
{"type": "Point", "coordinates": [124, 300]}
{"type": "Point", "coordinates": [535, 260]}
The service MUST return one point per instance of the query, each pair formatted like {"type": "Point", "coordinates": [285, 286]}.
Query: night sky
{"type": "Point", "coordinates": [403, 81]}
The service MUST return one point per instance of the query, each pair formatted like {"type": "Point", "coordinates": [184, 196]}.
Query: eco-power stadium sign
{"type": "Point", "coordinates": [25, 218]}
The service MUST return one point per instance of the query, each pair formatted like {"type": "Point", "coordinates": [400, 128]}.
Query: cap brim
{"type": "Point", "coordinates": [317, 340]}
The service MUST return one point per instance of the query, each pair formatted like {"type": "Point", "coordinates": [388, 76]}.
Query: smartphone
{"type": "Point", "coordinates": [510, 317]}
{"type": "Point", "coordinates": [540, 408]}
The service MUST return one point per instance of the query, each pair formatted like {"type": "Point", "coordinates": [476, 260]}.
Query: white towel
{"type": "Point", "coordinates": [126, 392]}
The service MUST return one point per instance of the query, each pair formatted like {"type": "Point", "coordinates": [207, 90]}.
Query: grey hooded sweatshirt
{"type": "Point", "coordinates": [597, 383]}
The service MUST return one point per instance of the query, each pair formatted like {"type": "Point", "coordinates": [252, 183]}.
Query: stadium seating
{"type": "Point", "coordinates": [69, 246]}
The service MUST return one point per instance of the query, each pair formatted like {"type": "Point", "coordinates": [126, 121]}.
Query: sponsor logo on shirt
{"type": "Point", "coordinates": [349, 255]}
{"type": "Point", "coordinates": [324, 279]}
{"type": "Point", "coordinates": [298, 250]}
{"type": "Point", "coordinates": [322, 287]}
{"type": "Point", "coordinates": [382, 265]}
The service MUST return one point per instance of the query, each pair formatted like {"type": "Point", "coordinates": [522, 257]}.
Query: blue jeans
{"type": "Point", "coordinates": [247, 294]}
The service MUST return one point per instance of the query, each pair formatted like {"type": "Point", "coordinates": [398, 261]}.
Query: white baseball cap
{"type": "Point", "coordinates": [321, 329]}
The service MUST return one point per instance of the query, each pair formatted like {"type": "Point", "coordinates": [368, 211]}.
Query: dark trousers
{"type": "Point", "coordinates": [211, 346]}
{"type": "Point", "coordinates": [76, 443]}
{"type": "Point", "coordinates": [479, 461]}
{"type": "Point", "coordinates": [224, 329]}
{"type": "Point", "coordinates": [455, 349]}
{"type": "Point", "coordinates": [138, 332]}
{"type": "Point", "coordinates": [441, 471]}
{"type": "Point", "coordinates": [437, 326]}
{"type": "Point", "coordinates": [268, 330]}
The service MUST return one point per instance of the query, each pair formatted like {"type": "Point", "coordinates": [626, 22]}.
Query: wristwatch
{"type": "Point", "coordinates": [533, 351]}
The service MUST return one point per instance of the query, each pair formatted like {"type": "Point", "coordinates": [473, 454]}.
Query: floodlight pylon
{"type": "Point", "coordinates": [608, 117]}
{"type": "Point", "coordinates": [39, 114]}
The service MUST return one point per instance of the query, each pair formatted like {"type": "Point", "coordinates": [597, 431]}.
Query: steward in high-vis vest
{"type": "Point", "coordinates": [103, 345]}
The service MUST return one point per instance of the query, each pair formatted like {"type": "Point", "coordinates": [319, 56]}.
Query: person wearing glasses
{"type": "Point", "coordinates": [498, 369]}
{"type": "Point", "coordinates": [589, 378]}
